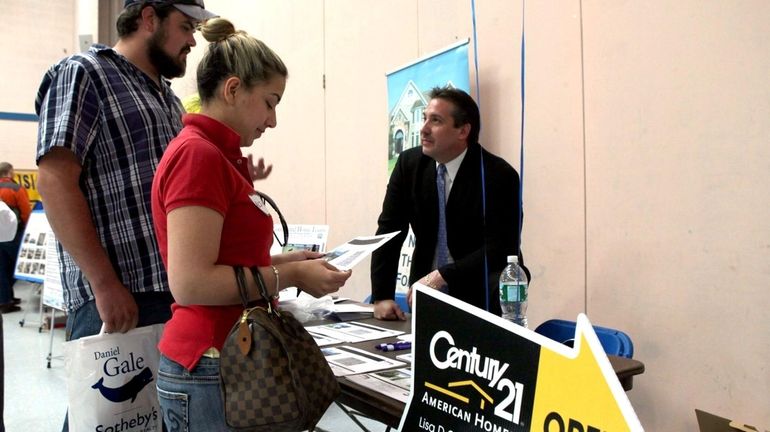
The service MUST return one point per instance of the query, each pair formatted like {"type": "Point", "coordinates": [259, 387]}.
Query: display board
{"type": "Point", "coordinates": [33, 251]}
{"type": "Point", "coordinates": [301, 237]}
{"type": "Point", "coordinates": [37, 260]}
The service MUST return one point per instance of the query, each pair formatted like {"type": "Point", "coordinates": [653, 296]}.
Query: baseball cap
{"type": "Point", "coordinates": [192, 8]}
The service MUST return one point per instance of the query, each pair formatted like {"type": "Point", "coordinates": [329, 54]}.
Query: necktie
{"type": "Point", "coordinates": [442, 251]}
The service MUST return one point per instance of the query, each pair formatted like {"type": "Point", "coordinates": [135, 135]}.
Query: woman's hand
{"type": "Point", "coordinates": [319, 278]}
{"type": "Point", "coordinates": [298, 255]}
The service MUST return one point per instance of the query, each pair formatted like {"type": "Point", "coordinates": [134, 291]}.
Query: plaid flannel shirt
{"type": "Point", "coordinates": [117, 121]}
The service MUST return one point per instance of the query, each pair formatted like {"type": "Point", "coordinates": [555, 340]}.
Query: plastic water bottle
{"type": "Point", "coordinates": [513, 292]}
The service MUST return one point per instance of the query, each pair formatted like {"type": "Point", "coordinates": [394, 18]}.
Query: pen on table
{"type": "Point", "coordinates": [395, 346]}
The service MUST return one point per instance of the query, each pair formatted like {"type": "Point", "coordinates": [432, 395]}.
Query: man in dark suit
{"type": "Point", "coordinates": [449, 138]}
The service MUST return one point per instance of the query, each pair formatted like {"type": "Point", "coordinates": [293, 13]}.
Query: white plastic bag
{"type": "Point", "coordinates": [305, 307]}
{"type": "Point", "coordinates": [111, 381]}
{"type": "Point", "coordinates": [8, 223]}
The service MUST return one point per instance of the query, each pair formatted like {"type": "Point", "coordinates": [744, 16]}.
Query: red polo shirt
{"type": "Point", "coordinates": [204, 166]}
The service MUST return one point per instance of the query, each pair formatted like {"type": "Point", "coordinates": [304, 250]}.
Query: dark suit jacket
{"type": "Point", "coordinates": [411, 198]}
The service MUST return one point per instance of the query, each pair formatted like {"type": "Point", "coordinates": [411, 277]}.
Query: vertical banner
{"type": "Point", "coordinates": [408, 88]}
{"type": "Point", "coordinates": [53, 291]}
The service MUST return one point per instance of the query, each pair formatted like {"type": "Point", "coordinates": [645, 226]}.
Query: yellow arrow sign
{"type": "Point", "coordinates": [578, 387]}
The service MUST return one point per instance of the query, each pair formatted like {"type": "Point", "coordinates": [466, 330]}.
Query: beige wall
{"type": "Point", "coordinates": [652, 217]}
{"type": "Point", "coordinates": [34, 35]}
{"type": "Point", "coordinates": [677, 199]}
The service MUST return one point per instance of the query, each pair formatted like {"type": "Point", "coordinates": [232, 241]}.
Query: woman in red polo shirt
{"type": "Point", "coordinates": [208, 219]}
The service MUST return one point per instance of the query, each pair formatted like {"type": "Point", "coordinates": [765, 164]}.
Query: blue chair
{"type": "Point", "coordinates": [614, 342]}
{"type": "Point", "coordinates": [400, 301]}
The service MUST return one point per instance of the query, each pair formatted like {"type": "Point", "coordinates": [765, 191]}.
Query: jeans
{"type": "Point", "coordinates": [190, 401]}
{"type": "Point", "coordinates": [8, 253]}
{"type": "Point", "coordinates": [154, 308]}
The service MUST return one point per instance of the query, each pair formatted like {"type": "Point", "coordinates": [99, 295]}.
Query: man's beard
{"type": "Point", "coordinates": [167, 66]}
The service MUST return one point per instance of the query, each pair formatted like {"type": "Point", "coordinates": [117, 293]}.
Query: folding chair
{"type": "Point", "coordinates": [614, 342]}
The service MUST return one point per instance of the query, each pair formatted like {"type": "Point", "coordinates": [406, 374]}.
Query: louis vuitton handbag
{"type": "Point", "coordinates": [273, 375]}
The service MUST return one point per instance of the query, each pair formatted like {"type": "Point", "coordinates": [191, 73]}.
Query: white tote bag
{"type": "Point", "coordinates": [8, 223]}
{"type": "Point", "coordinates": [111, 381]}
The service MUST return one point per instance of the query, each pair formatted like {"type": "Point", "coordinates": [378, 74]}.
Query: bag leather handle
{"type": "Point", "coordinates": [263, 289]}
{"type": "Point", "coordinates": [240, 278]}
{"type": "Point", "coordinates": [244, 334]}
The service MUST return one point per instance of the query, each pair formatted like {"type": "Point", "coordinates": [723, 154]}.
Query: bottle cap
{"type": "Point", "coordinates": [513, 259]}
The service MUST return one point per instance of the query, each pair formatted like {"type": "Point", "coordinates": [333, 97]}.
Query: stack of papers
{"type": "Point", "coordinates": [352, 331]}
{"type": "Point", "coordinates": [350, 312]}
{"type": "Point", "coordinates": [394, 383]}
{"type": "Point", "coordinates": [323, 340]}
{"type": "Point", "coordinates": [348, 360]}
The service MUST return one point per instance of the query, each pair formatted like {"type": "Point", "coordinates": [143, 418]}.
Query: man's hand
{"type": "Point", "coordinates": [117, 308]}
{"type": "Point", "coordinates": [388, 310]}
{"type": "Point", "coordinates": [259, 171]}
{"type": "Point", "coordinates": [432, 280]}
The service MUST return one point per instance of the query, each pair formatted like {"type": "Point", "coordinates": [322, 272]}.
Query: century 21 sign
{"type": "Point", "coordinates": [474, 371]}
{"type": "Point", "coordinates": [486, 368]}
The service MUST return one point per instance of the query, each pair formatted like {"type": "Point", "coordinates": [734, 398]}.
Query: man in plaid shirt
{"type": "Point", "coordinates": [106, 116]}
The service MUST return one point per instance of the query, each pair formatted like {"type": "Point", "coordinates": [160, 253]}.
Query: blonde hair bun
{"type": "Point", "coordinates": [218, 29]}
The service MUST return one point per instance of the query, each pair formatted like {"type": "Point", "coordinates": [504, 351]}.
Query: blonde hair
{"type": "Point", "coordinates": [233, 52]}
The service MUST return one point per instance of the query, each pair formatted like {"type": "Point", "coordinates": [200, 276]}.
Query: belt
{"type": "Point", "coordinates": [211, 353]}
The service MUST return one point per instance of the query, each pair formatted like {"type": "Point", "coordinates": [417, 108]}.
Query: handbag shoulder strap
{"type": "Point", "coordinates": [240, 278]}
{"type": "Point", "coordinates": [261, 284]}
{"type": "Point", "coordinates": [284, 226]}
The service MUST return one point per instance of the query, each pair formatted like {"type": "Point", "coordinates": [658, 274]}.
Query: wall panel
{"type": "Point", "coordinates": [364, 40]}
{"type": "Point", "coordinates": [296, 147]}
{"type": "Point", "coordinates": [554, 212]}
{"type": "Point", "coordinates": [37, 35]}
{"type": "Point", "coordinates": [677, 217]}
